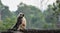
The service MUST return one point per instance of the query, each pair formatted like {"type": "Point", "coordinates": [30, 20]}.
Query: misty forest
{"type": "Point", "coordinates": [36, 19]}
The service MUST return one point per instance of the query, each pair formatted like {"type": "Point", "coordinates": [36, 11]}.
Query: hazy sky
{"type": "Point", "coordinates": [13, 3]}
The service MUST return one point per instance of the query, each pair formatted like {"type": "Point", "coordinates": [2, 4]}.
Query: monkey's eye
{"type": "Point", "coordinates": [20, 14]}
{"type": "Point", "coordinates": [23, 14]}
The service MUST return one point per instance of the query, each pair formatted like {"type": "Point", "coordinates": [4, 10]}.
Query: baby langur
{"type": "Point", "coordinates": [21, 22]}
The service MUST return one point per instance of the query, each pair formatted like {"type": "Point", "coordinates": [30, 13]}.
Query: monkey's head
{"type": "Point", "coordinates": [21, 15]}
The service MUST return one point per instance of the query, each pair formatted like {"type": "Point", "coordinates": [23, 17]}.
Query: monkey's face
{"type": "Point", "coordinates": [21, 15]}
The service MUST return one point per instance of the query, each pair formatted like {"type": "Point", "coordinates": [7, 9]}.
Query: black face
{"type": "Point", "coordinates": [21, 15]}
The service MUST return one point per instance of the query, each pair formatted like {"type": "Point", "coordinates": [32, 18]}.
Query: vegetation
{"type": "Point", "coordinates": [36, 19]}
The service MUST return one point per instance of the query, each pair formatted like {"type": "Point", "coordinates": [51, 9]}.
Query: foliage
{"type": "Point", "coordinates": [35, 18]}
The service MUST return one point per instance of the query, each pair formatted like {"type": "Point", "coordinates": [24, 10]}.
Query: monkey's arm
{"type": "Point", "coordinates": [17, 24]}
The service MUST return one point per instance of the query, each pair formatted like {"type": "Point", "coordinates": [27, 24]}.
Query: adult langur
{"type": "Point", "coordinates": [21, 22]}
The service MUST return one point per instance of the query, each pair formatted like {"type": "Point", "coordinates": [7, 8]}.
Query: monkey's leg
{"type": "Point", "coordinates": [23, 26]}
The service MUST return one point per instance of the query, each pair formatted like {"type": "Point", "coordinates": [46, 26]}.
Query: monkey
{"type": "Point", "coordinates": [21, 22]}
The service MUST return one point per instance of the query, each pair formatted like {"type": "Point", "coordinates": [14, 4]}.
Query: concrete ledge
{"type": "Point", "coordinates": [33, 31]}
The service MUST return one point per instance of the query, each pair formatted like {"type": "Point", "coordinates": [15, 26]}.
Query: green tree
{"type": "Point", "coordinates": [52, 14]}
{"type": "Point", "coordinates": [56, 8]}
{"type": "Point", "coordinates": [5, 13]}
{"type": "Point", "coordinates": [34, 16]}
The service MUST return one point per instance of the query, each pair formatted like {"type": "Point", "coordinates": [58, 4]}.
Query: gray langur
{"type": "Point", "coordinates": [21, 22]}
